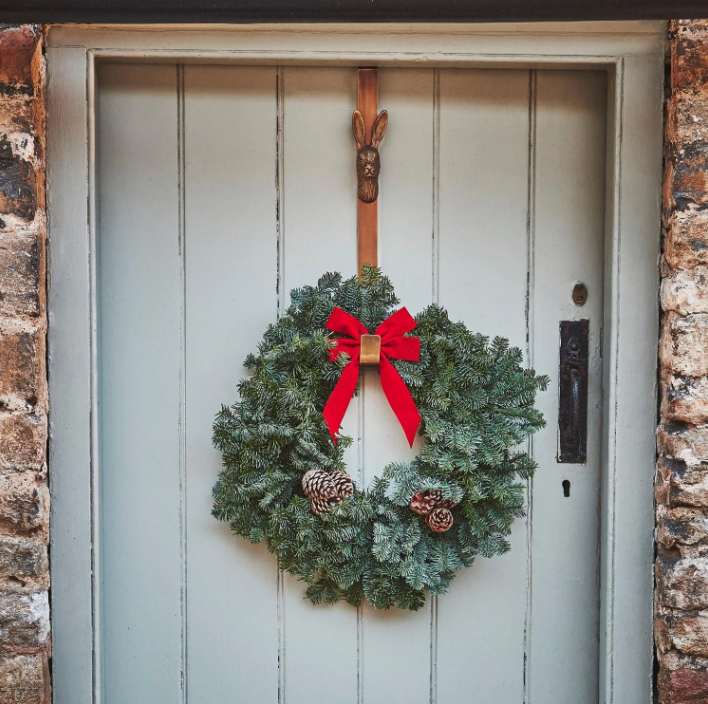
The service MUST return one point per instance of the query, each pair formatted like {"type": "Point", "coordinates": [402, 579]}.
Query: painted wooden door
{"type": "Point", "coordinates": [220, 189]}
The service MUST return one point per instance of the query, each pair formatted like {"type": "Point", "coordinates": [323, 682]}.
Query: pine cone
{"type": "Point", "coordinates": [343, 484]}
{"type": "Point", "coordinates": [422, 503]}
{"type": "Point", "coordinates": [318, 484]}
{"type": "Point", "coordinates": [439, 520]}
{"type": "Point", "coordinates": [437, 496]}
{"type": "Point", "coordinates": [321, 506]}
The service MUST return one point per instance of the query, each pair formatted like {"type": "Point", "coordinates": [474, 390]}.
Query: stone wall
{"type": "Point", "coordinates": [24, 497]}
{"type": "Point", "coordinates": [681, 626]}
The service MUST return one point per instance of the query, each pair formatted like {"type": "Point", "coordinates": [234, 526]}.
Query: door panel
{"type": "Point", "coordinates": [220, 189]}
{"type": "Point", "coordinates": [567, 232]}
{"type": "Point", "coordinates": [319, 235]}
{"type": "Point", "coordinates": [229, 160]}
{"type": "Point", "coordinates": [484, 156]}
{"type": "Point", "coordinates": [140, 369]}
{"type": "Point", "coordinates": [396, 653]}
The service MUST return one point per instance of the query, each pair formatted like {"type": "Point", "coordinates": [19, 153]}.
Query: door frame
{"type": "Point", "coordinates": [632, 54]}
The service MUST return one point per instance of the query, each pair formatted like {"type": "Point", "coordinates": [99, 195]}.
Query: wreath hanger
{"type": "Point", "coordinates": [369, 128]}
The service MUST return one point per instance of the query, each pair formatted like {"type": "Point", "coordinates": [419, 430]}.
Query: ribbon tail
{"type": "Point", "coordinates": [400, 399]}
{"type": "Point", "coordinates": [339, 399]}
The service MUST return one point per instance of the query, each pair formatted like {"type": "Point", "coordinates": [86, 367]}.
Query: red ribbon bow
{"type": "Point", "coordinates": [394, 345]}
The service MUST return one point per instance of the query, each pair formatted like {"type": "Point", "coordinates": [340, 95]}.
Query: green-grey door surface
{"type": "Point", "coordinates": [220, 188]}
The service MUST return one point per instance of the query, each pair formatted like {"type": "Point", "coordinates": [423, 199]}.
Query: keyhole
{"type": "Point", "coordinates": [566, 488]}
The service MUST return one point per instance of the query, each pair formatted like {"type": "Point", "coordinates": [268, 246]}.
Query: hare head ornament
{"type": "Point", "coordinates": [368, 159]}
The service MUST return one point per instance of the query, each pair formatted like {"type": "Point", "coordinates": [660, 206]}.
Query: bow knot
{"type": "Point", "coordinates": [393, 345]}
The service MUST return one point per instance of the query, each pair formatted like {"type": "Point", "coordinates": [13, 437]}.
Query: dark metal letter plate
{"type": "Point", "coordinates": [573, 392]}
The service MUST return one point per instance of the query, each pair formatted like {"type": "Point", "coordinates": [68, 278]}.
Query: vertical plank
{"type": "Point", "coordinates": [320, 235]}
{"type": "Point", "coordinates": [139, 322]}
{"type": "Point", "coordinates": [70, 370]}
{"type": "Point", "coordinates": [568, 247]}
{"type": "Point", "coordinates": [231, 279]}
{"type": "Point", "coordinates": [397, 643]}
{"type": "Point", "coordinates": [484, 152]}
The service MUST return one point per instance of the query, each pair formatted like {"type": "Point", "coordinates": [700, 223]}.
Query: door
{"type": "Point", "coordinates": [220, 188]}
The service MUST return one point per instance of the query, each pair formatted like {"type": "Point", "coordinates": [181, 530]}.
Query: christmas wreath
{"type": "Point", "coordinates": [284, 480]}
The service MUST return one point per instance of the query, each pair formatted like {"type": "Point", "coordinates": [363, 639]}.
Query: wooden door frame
{"type": "Point", "coordinates": [632, 53]}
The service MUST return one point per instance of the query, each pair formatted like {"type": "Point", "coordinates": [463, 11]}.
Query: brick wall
{"type": "Point", "coordinates": [682, 474]}
{"type": "Point", "coordinates": [24, 498]}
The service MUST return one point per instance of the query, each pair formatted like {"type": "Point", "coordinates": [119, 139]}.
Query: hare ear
{"type": "Point", "coordinates": [379, 130]}
{"type": "Point", "coordinates": [358, 129]}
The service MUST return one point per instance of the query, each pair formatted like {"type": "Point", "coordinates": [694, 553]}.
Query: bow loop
{"type": "Point", "coordinates": [393, 345]}
{"type": "Point", "coordinates": [398, 323]}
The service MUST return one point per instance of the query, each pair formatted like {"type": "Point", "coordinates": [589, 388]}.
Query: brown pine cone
{"type": "Point", "coordinates": [318, 484]}
{"type": "Point", "coordinates": [439, 500]}
{"type": "Point", "coordinates": [439, 520]}
{"type": "Point", "coordinates": [343, 484]}
{"type": "Point", "coordinates": [321, 506]}
{"type": "Point", "coordinates": [422, 503]}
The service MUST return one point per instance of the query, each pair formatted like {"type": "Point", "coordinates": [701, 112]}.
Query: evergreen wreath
{"type": "Point", "coordinates": [388, 542]}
